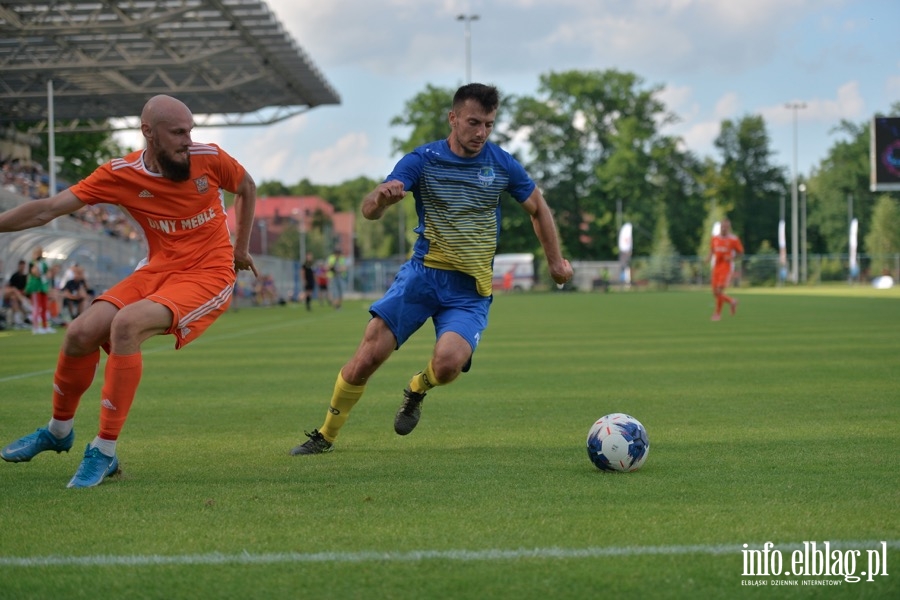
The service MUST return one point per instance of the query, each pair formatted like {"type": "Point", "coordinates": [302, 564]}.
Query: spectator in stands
{"type": "Point", "coordinates": [14, 298]}
{"type": "Point", "coordinates": [37, 288]}
{"type": "Point", "coordinates": [22, 177]}
{"type": "Point", "coordinates": [75, 293]}
{"type": "Point", "coordinates": [19, 279]}
{"type": "Point", "coordinates": [173, 190]}
{"type": "Point", "coordinates": [266, 292]}
{"type": "Point", "coordinates": [108, 219]}
{"type": "Point", "coordinates": [54, 295]}
{"type": "Point", "coordinates": [322, 283]}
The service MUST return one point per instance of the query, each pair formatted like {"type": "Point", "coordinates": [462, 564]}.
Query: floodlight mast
{"type": "Point", "coordinates": [467, 20]}
{"type": "Point", "coordinates": [794, 106]}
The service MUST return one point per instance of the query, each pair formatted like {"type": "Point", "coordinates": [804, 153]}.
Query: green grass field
{"type": "Point", "coordinates": [779, 425]}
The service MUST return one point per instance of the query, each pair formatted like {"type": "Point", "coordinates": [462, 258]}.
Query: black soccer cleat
{"type": "Point", "coordinates": [408, 415]}
{"type": "Point", "coordinates": [316, 444]}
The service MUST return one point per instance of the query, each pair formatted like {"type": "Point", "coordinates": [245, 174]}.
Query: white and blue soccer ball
{"type": "Point", "coordinates": [618, 442]}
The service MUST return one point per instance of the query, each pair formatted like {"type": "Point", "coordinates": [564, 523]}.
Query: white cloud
{"type": "Point", "coordinates": [699, 137]}
{"type": "Point", "coordinates": [715, 59]}
{"type": "Point", "coordinates": [848, 103]}
{"type": "Point", "coordinates": [728, 106]}
{"type": "Point", "coordinates": [698, 130]}
{"type": "Point", "coordinates": [679, 99]}
{"type": "Point", "coordinates": [347, 158]}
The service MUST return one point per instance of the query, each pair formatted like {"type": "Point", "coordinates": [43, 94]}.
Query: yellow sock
{"type": "Point", "coordinates": [344, 397]}
{"type": "Point", "coordinates": [424, 380]}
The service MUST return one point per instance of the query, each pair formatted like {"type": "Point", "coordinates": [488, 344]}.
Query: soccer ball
{"type": "Point", "coordinates": [618, 442]}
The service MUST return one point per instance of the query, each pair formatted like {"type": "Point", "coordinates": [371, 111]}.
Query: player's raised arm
{"type": "Point", "coordinates": [35, 213]}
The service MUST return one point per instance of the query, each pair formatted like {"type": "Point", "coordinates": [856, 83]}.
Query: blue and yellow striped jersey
{"type": "Point", "coordinates": [458, 205]}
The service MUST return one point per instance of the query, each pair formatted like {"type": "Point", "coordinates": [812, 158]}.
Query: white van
{"type": "Point", "coordinates": [513, 272]}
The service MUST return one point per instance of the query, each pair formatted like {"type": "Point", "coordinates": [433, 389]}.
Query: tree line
{"type": "Point", "coordinates": [594, 142]}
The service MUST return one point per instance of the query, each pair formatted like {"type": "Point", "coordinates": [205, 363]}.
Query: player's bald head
{"type": "Point", "coordinates": [166, 124]}
{"type": "Point", "coordinates": [162, 109]}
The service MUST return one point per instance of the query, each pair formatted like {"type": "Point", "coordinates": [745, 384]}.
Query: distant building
{"type": "Point", "coordinates": [276, 213]}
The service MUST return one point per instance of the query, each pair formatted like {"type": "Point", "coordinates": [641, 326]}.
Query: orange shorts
{"type": "Point", "coordinates": [196, 298]}
{"type": "Point", "coordinates": [721, 275]}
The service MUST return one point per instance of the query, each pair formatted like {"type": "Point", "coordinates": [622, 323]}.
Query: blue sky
{"type": "Point", "coordinates": [716, 59]}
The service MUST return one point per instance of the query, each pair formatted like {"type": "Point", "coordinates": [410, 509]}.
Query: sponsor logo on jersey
{"type": "Point", "coordinates": [202, 184]}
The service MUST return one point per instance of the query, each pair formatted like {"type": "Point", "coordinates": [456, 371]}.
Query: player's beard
{"type": "Point", "coordinates": [176, 171]}
{"type": "Point", "coordinates": [466, 148]}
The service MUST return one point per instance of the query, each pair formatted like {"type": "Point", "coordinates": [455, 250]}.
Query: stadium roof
{"type": "Point", "coordinates": [230, 61]}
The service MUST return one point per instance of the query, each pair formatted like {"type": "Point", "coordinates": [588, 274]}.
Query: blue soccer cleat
{"type": "Point", "coordinates": [95, 467]}
{"type": "Point", "coordinates": [26, 448]}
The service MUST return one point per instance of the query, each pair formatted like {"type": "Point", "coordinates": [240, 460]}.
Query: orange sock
{"type": "Point", "coordinates": [74, 375]}
{"type": "Point", "coordinates": [727, 299]}
{"type": "Point", "coordinates": [123, 374]}
{"type": "Point", "coordinates": [718, 304]}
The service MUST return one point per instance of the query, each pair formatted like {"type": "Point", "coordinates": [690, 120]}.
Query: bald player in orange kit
{"type": "Point", "coordinates": [174, 191]}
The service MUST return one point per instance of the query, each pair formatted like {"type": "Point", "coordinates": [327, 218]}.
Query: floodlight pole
{"type": "Point", "coordinates": [467, 20]}
{"type": "Point", "coordinates": [263, 237]}
{"type": "Point", "coordinates": [51, 140]}
{"type": "Point", "coordinates": [803, 264]}
{"type": "Point", "coordinates": [301, 232]}
{"type": "Point", "coordinates": [794, 106]}
{"type": "Point", "coordinates": [51, 145]}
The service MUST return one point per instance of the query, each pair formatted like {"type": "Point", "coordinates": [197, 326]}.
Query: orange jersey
{"type": "Point", "coordinates": [724, 248]}
{"type": "Point", "coordinates": [183, 222]}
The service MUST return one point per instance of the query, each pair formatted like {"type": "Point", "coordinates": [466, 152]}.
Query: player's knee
{"type": "Point", "coordinates": [361, 368]}
{"type": "Point", "coordinates": [133, 324]}
{"type": "Point", "coordinates": [446, 368]}
{"type": "Point", "coordinates": [82, 337]}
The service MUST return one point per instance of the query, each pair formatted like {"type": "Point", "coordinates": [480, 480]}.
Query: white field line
{"type": "Point", "coordinates": [216, 558]}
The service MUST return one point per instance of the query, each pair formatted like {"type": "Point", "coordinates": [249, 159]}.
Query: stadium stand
{"type": "Point", "coordinates": [69, 240]}
{"type": "Point", "coordinates": [98, 61]}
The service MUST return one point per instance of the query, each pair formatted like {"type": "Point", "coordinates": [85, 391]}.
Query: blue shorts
{"type": "Point", "coordinates": [448, 297]}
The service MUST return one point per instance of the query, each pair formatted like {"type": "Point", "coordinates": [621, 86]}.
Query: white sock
{"type": "Point", "coordinates": [107, 447]}
{"type": "Point", "coordinates": [60, 429]}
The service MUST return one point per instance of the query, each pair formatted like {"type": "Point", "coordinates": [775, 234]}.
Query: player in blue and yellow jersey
{"type": "Point", "coordinates": [456, 184]}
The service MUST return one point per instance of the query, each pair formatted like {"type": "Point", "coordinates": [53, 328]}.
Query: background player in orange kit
{"type": "Point", "coordinates": [173, 190]}
{"type": "Point", "coordinates": [724, 249]}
